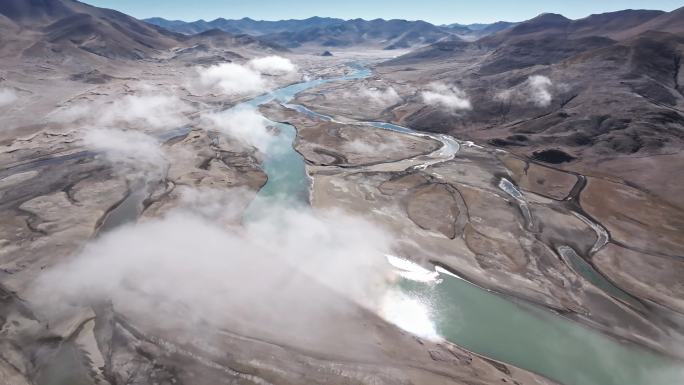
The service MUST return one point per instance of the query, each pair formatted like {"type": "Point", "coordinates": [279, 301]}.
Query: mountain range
{"type": "Point", "coordinates": [613, 56]}
{"type": "Point", "coordinates": [244, 25]}
{"type": "Point", "coordinates": [60, 30]}
{"type": "Point", "coordinates": [614, 83]}
{"type": "Point", "coordinates": [64, 27]}
{"type": "Point", "coordinates": [332, 32]}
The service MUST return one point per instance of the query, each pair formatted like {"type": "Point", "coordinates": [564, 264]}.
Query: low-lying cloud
{"type": "Point", "coordinates": [232, 79]}
{"type": "Point", "coordinates": [237, 79]}
{"type": "Point", "coordinates": [537, 90]}
{"type": "Point", "coordinates": [245, 124]}
{"type": "Point", "coordinates": [273, 65]}
{"type": "Point", "coordinates": [7, 96]}
{"type": "Point", "coordinates": [539, 87]}
{"type": "Point", "coordinates": [136, 154]}
{"type": "Point", "coordinates": [126, 130]}
{"type": "Point", "coordinates": [286, 275]}
{"type": "Point", "coordinates": [448, 97]}
{"type": "Point", "coordinates": [145, 111]}
{"type": "Point", "coordinates": [379, 97]}
{"type": "Point", "coordinates": [364, 147]}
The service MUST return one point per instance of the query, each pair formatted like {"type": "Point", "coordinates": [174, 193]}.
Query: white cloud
{"type": "Point", "coordinates": [237, 79]}
{"type": "Point", "coordinates": [448, 97]}
{"type": "Point", "coordinates": [273, 65]}
{"type": "Point", "coordinates": [217, 205]}
{"type": "Point", "coordinates": [125, 130]}
{"type": "Point", "coordinates": [245, 124]}
{"type": "Point", "coordinates": [146, 111]}
{"type": "Point", "coordinates": [186, 267]}
{"type": "Point", "coordinates": [363, 147]}
{"type": "Point", "coordinates": [386, 97]}
{"type": "Point", "coordinates": [74, 112]}
{"type": "Point", "coordinates": [138, 155]}
{"type": "Point", "coordinates": [232, 79]}
{"type": "Point", "coordinates": [537, 90]}
{"type": "Point", "coordinates": [504, 95]}
{"type": "Point", "coordinates": [7, 96]}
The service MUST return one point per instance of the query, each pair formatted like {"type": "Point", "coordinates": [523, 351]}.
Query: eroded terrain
{"type": "Point", "coordinates": [59, 193]}
{"type": "Point", "coordinates": [156, 228]}
{"type": "Point", "coordinates": [502, 222]}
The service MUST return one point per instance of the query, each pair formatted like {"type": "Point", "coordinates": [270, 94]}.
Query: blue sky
{"type": "Point", "coordinates": [434, 11]}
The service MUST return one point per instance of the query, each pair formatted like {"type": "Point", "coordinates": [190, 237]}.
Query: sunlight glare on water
{"type": "Point", "coordinates": [409, 313]}
{"type": "Point", "coordinates": [405, 310]}
{"type": "Point", "coordinates": [411, 270]}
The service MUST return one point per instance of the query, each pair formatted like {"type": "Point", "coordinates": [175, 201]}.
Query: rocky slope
{"type": "Point", "coordinates": [66, 26]}
{"type": "Point", "coordinates": [611, 90]}
{"type": "Point", "coordinates": [62, 30]}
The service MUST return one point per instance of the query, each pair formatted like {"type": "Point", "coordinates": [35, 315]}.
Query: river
{"type": "Point", "coordinates": [484, 322]}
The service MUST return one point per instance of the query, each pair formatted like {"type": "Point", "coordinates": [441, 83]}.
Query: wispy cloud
{"type": "Point", "coordinates": [124, 130]}
{"type": "Point", "coordinates": [237, 79]}
{"type": "Point", "coordinates": [379, 97]}
{"type": "Point", "coordinates": [322, 264]}
{"type": "Point", "coordinates": [7, 96]}
{"type": "Point", "coordinates": [364, 147]}
{"type": "Point", "coordinates": [136, 154]}
{"type": "Point", "coordinates": [273, 65]}
{"type": "Point", "coordinates": [540, 87]}
{"type": "Point", "coordinates": [448, 97]}
{"type": "Point", "coordinates": [245, 124]}
{"type": "Point", "coordinates": [232, 79]}
{"type": "Point", "coordinates": [149, 110]}
{"type": "Point", "coordinates": [538, 90]}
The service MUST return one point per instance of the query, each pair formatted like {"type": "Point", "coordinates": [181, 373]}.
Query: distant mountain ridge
{"type": "Point", "coordinates": [69, 26]}
{"type": "Point", "coordinates": [388, 34]}
{"type": "Point", "coordinates": [614, 85]}
{"type": "Point", "coordinates": [264, 27]}
{"type": "Point", "coordinates": [478, 30]}
{"type": "Point", "coordinates": [609, 25]}
{"type": "Point", "coordinates": [324, 31]}
{"type": "Point", "coordinates": [64, 29]}
{"type": "Point", "coordinates": [244, 25]}
{"type": "Point", "coordinates": [333, 32]}
{"type": "Point", "coordinates": [551, 37]}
